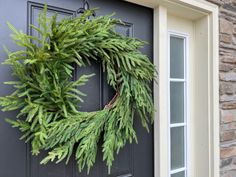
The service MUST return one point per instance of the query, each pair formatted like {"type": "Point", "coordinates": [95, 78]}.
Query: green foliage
{"type": "Point", "coordinates": [47, 97]}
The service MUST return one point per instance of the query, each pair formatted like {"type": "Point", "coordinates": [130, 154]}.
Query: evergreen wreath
{"type": "Point", "coordinates": [47, 97]}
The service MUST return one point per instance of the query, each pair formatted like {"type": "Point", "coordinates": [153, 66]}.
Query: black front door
{"type": "Point", "coordinates": [136, 160]}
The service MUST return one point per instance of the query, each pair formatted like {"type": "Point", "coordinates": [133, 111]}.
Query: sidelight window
{"type": "Point", "coordinates": [177, 105]}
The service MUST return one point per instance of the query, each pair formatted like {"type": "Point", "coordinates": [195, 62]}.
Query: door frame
{"type": "Point", "coordinates": [205, 18]}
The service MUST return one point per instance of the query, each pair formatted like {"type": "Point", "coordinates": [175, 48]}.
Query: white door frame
{"type": "Point", "coordinates": [205, 18]}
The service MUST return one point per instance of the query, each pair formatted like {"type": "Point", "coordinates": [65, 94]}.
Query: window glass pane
{"type": "Point", "coordinates": [176, 57]}
{"type": "Point", "coordinates": [180, 174]}
{"type": "Point", "coordinates": [177, 148]}
{"type": "Point", "coordinates": [176, 102]}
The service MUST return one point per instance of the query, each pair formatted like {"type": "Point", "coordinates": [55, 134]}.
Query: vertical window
{"type": "Point", "coordinates": [177, 106]}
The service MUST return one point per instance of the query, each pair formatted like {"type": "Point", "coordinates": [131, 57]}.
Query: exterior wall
{"type": "Point", "coordinates": [227, 78]}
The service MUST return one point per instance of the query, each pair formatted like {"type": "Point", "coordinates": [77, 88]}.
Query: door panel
{"type": "Point", "coordinates": [15, 159]}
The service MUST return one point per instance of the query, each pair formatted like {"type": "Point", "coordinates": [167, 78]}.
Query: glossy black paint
{"type": "Point", "coordinates": [135, 160]}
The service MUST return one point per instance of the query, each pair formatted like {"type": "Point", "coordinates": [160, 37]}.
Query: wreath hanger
{"type": "Point", "coordinates": [85, 7]}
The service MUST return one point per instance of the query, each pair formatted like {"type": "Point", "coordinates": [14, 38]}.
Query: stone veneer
{"type": "Point", "coordinates": [227, 51]}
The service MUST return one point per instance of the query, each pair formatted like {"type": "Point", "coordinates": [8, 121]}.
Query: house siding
{"type": "Point", "coordinates": [227, 66]}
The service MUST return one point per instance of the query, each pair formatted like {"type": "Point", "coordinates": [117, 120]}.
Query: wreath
{"type": "Point", "coordinates": [47, 97]}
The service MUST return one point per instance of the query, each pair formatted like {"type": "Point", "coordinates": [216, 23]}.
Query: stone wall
{"type": "Point", "coordinates": [227, 78]}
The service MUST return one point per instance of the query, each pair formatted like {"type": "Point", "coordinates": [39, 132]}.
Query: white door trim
{"type": "Point", "coordinates": [205, 15]}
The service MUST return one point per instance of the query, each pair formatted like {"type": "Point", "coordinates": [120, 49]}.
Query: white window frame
{"type": "Point", "coordinates": [204, 158]}
{"type": "Point", "coordinates": [185, 79]}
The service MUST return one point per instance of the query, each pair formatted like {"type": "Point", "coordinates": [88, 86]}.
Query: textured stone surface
{"type": "Point", "coordinates": [226, 98]}
{"type": "Point", "coordinates": [227, 66]}
{"type": "Point", "coordinates": [226, 38]}
{"type": "Point", "coordinates": [227, 88]}
{"type": "Point", "coordinates": [228, 116]}
{"type": "Point", "coordinates": [227, 135]}
{"type": "Point", "coordinates": [228, 58]}
{"type": "Point", "coordinates": [228, 76]}
{"type": "Point", "coordinates": [228, 105]}
{"type": "Point", "coordinates": [226, 26]}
